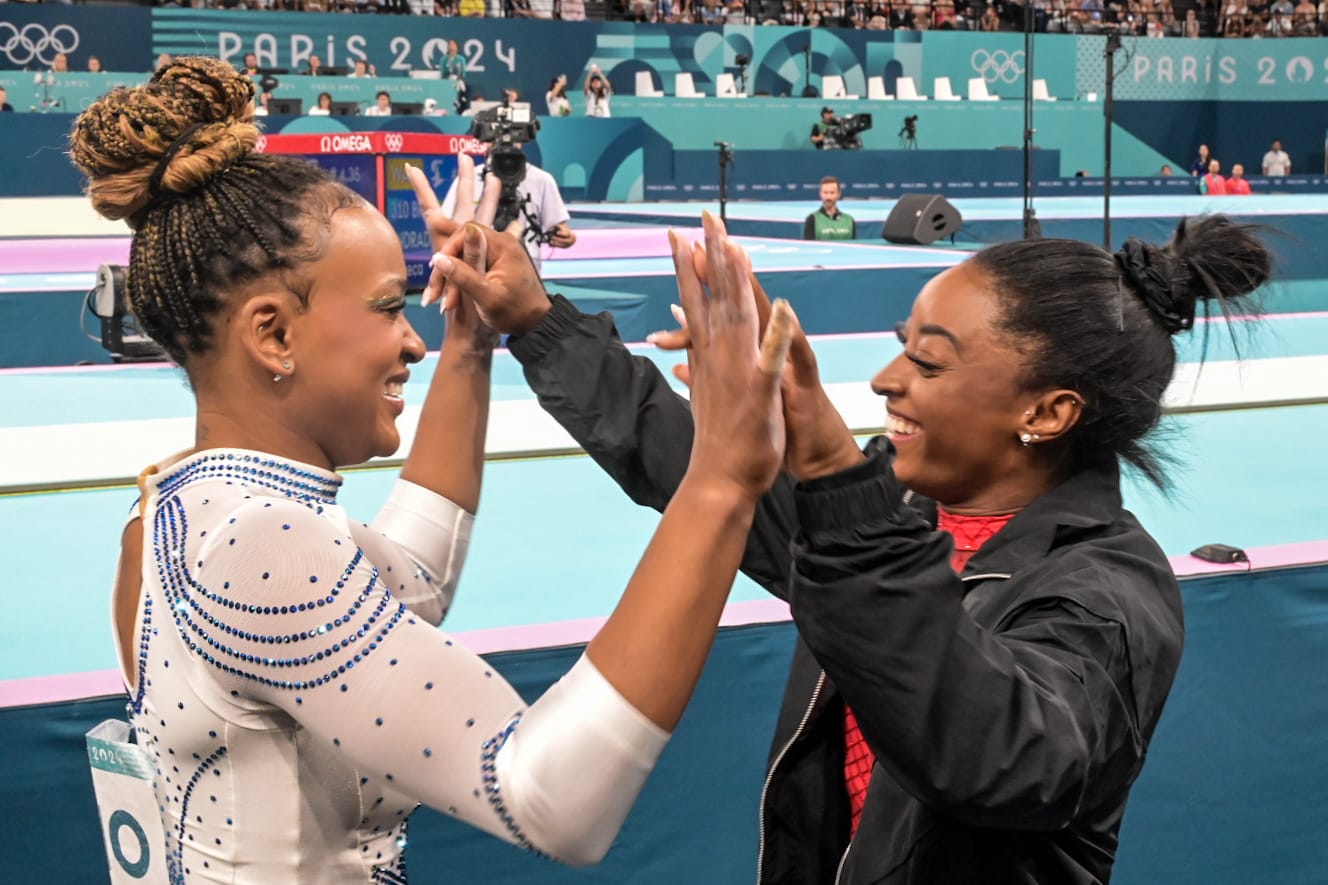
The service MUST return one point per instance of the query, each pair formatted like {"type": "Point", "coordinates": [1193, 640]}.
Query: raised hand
{"type": "Point", "coordinates": [818, 440]}
{"type": "Point", "coordinates": [736, 403]}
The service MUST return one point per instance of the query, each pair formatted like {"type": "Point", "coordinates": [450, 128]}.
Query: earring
{"type": "Point", "coordinates": [1025, 438]}
{"type": "Point", "coordinates": [1036, 437]}
{"type": "Point", "coordinates": [276, 379]}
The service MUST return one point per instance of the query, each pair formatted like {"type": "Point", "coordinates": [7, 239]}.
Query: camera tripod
{"type": "Point", "coordinates": [908, 139]}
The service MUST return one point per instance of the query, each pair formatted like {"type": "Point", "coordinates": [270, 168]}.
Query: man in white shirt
{"type": "Point", "coordinates": [382, 106]}
{"type": "Point", "coordinates": [1276, 162]}
{"type": "Point", "coordinates": [538, 192]}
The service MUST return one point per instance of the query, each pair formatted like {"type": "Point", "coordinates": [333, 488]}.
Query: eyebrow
{"type": "Point", "coordinates": [933, 329]}
{"type": "Point", "coordinates": [389, 289]}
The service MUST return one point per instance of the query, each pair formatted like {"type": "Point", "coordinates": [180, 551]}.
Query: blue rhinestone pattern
{"type": "Point", "coordinates": [493, 790]}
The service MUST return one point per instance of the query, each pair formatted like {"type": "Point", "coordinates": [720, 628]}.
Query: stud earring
{"type": "Point", "coordinates": [276, 379]}
{"type": "Point", "coordinates": [1025, 438]}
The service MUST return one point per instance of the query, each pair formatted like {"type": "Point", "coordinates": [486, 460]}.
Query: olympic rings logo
{"type": "Point", "coordinates": [395, 143]}
{"type": "Point", "coordinates": [33, 42]}
{"type": "Point", "coordinates": [998, 65]}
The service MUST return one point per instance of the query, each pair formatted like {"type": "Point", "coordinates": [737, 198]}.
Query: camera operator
{"type": "Point", "coordinates": [827, 222]}
{"type": "Point", "coordinates": [821, 131]}
{"type": "Point", "coordinates": [530, 195]}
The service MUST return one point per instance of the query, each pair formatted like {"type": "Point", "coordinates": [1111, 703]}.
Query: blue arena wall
{"type": "Point", "coordinates": [1231, 792]}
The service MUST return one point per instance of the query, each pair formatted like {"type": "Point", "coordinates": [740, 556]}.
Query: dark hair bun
{"type": "Point", "coordinates": [120, 141]}
{"type": "Point", "coordinates": [1226, 260]}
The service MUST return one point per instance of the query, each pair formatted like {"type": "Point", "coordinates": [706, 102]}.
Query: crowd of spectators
{"type": "Point", "coordinates": [1143, 18]}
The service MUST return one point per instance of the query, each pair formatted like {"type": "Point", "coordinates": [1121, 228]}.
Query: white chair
{"type": "Point", "coordinates": [645, 85]}
{"type": "Point", "coordinates": [832, 86]}
{"type": "Point", "coordinates": [1040, 92]}
{"type": "Point", "coordinates": [906, 90]}
{"type": "Point", "coordinates": [977, 90]}
{"type": "Point", "coordinates": [941, 90]}
{"type": "Point", "coordinates": [726, 87]}
{"type": "Point", "coordinates": [876, 89]}
{"type": "Point", "coordinates": [684, 86]}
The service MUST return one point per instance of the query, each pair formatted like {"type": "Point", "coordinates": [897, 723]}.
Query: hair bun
{"type": "Point", "coordinates": [191, 121]}
{"type": "Point", "coordinates": [1152, 274]}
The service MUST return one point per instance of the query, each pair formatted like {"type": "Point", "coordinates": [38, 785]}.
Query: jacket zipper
{"type": "Point", "coordinates": [770, 775]}
{"type": "Point", "coordinates": [816, 693]}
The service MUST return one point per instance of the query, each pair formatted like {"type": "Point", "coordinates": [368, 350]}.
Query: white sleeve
{"type": "Point", "coordinates": [552, 209]}
{"type": "Point", "coordinates": [288, 611]}
{"type": "Point", "coordinates": [419, 542]}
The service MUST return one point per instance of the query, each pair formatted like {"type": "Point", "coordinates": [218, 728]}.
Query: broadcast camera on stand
{"type": "Point", "coordinates": [842, 133]}
{"type": "Point", "coordinates": [908, 133]}
{"type": "Point", "coordinates": [506, 128]}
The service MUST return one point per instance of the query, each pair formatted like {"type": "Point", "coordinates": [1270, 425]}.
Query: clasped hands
{"type": "Point", "coordinates": [756, 397]}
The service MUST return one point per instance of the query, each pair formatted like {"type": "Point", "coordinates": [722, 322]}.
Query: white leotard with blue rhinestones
{"type": "Point", "coordinates": [300, 701]}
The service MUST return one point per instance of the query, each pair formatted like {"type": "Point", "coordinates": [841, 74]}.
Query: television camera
{"type": "Point", "coordinates": [842, 133]}
{"type": "Point", "coordinates": [908, 133]}
{"type": "Point", "coordinates": [506, 127]}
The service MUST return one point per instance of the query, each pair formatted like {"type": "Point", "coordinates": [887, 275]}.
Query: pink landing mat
{"type": "Point", "coordinates": [87, 253]}
{"type": "Point", "coordinates": [635, 242]}
{"type": "Point", "coordinates": [62, 255]}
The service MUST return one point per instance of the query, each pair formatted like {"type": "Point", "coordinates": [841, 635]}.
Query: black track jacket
{"type": "Point", "coordinates": [1009, 707]}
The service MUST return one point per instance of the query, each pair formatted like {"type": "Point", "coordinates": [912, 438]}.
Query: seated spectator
{"type": "Point", "coordinates": [314, 67]}
{"type": "Point", "coordinates": [991, 20]}
{"type": "Point", "coordinates": [261, 101]}
{"type": "Point", "coordinates": [4, 101]}
{"type": "Point", "coordinates": [572, 10]}
{"type": "Point", "coordinates": [324, 106]}
{"type": "Point", "coordinates": [1165, 171]}
{"type": "Point", "coordinates": [1306, 20]}
{"type": "Point", "coordinates": [250, 65]}
{"type": "Point", "coordinates": [382, 106]}
{"type": "Point", "coordinates": [431, 108]}
{"type": "Point", "coordinates": [473, 8]}
{"type": "Point", "coordinates": [94, 65]}
{"type": "Point", "coordinates": [363, 69]}
{"type": "Point", "coordinates": [519, 9]}
{"type": "Point", "coordinates": [1238, 185]}
{"type": "Point", "coordinates": [61, 63]}
{"type": "Point", "coordinates": [1213, 184]}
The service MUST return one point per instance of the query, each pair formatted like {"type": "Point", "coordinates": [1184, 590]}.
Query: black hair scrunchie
{"type": "Point", "coordinates": [1145, 270]}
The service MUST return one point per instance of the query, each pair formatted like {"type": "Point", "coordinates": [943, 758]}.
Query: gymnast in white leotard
{"type": "Point", "coordinates": [283, 661]}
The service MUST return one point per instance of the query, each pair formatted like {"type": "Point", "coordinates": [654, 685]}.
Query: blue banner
{"type": "Point", "coordinates": [1208, 70]}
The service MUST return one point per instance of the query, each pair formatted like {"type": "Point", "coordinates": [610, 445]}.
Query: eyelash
{"type": "Point", "coordinates": [928, 369]}
{"type": "Point", "coordinates": [393, 307]}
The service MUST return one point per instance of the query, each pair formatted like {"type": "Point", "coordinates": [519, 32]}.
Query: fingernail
{"type": "Point", "coordinates": [437, 257]}
{"type": "Point", "coordinates": [442, 262]}
{"type": "Point", "coordinates": [678, 314]}
{"type": "Point", "coordinates": [650, 339]}
{"type": "Point", "coordinates": [472, 234]}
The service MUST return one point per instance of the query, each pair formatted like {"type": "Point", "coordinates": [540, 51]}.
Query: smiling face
{"type": "Point", "coordinates": [955, 404]}
{"type": "Point", "coordinates": [350, 347]}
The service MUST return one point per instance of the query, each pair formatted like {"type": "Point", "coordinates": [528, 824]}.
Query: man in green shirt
{"type": "Point", "coordinates": [828, 223]}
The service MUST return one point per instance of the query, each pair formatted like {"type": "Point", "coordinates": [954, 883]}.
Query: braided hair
{"type": "Point", "coordinates": [1102, 324]}
{"type": "Point", "coordinates": [175, 159]}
